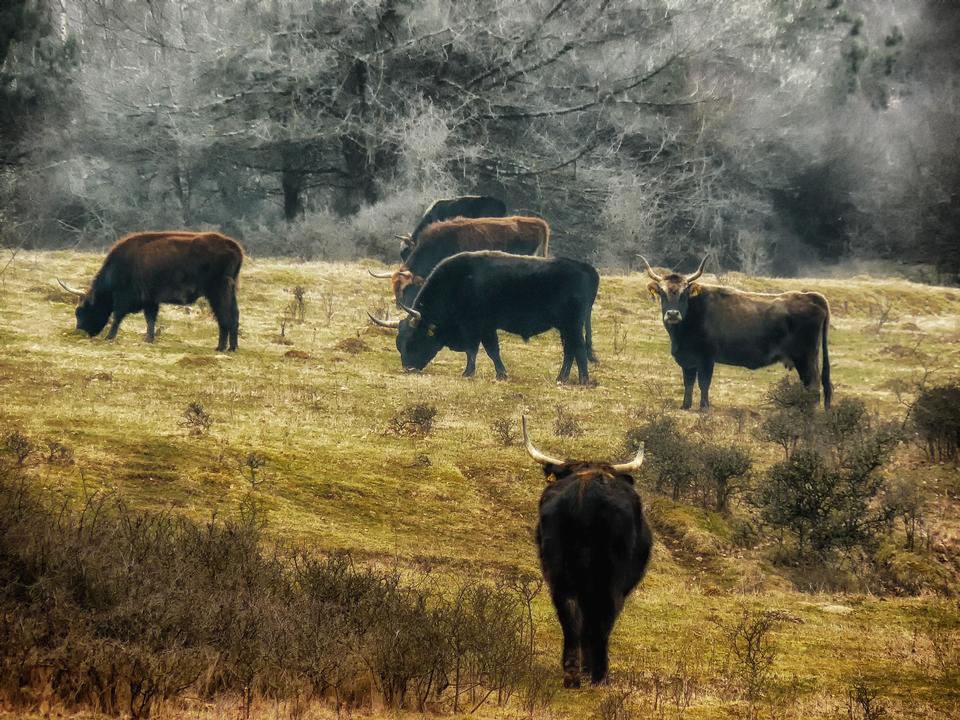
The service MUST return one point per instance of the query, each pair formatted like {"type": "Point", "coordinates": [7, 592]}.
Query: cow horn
{"type": "Point", "coordinates": [650, 271]}
{"type": "Point", "coordinates": [380, 276]}
{"type": "Point", "coordinates": [407, 238]}
{"type": "Point", "coordinates": [392, 324]}
{"type": "Point", "coordinates": [72, 291]}
{"type": "Point", "coordinates": [699, 272]}
{"type": "Point", "coordinates": [413, 313]}
{"type": "Point", "coordinates": [534, 453]}
{"type": "Point", "coordinates": [633, 465]}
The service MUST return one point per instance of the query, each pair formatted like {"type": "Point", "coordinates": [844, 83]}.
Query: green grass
{"type": "Point", "coordinates": [335, 477]}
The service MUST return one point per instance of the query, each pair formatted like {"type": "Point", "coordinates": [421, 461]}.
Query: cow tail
{"type": "Point", "coordinates": [825, 372]}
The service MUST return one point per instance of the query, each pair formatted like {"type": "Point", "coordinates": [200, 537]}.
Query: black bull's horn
{"type": "Point", "coordinates": [380, 276]}
{"type": "Point", "coordinates": [72, 291]}
{"type": "Point", "coordinates": [392, 324]}
{"type": "Point", "coordinates": [544, 459]}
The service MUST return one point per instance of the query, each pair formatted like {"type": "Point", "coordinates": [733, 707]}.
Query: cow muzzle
{"type": "Point", "coordinates": [672, 317]}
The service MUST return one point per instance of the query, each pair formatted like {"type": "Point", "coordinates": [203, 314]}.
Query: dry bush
{"type": "Point", "coordinates": [129, 608]}
{"type": "Point", "coordinates": [505, 431]}
{"type": "Point", "coordinates": [751, 652]}
{"type": "Point", "coordinates": [566, 425]}
{"type": "Point", "coordinates": [196, 419]}
{"type": "Point", "coordinates": [19, 446]}
{"type": "Point", "coordinates": [863, 700]}
{"type": "Point", "coordinates": [936, 418]}
{"type": "Point", "coordinates": [414, 419]}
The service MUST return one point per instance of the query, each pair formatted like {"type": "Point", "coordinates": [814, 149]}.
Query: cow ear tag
{"type": "Point", "coordinates": [551, 478]}
{"type": "Point", "coordinates": [653, 288]}
{"type": "Point", "coordinates": [694, 290]}
{"type": "Point", "coordinates": [432, 330]}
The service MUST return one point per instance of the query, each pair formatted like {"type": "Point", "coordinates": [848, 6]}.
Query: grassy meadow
{"type": "Point", "coordinates": [303, 418]}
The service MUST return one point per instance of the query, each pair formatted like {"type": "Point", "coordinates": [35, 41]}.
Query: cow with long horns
{"type": "Point", "coordinates": [472, 295]}
{"type": "Point", "coordinates": [594, 547]}
{"type": "Point", "coordinates": [145, 269]}
{"type": "Point", "coordinates": [710, 324]}
{"type": "Point", "coordinates": [468, 206]}
{"type": "Point", "coordinates": [516, 235]}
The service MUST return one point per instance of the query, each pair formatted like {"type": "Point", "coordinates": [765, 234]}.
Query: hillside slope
{"type": "Point", "coordinates": [303, 416]}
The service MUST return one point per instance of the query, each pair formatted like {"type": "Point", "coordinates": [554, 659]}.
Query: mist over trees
{"type": "Point", "coordinates": [779, 135]}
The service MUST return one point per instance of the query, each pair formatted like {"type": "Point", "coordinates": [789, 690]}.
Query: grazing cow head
{"type": "Point", "coordinates": [417, 341]}
{"type": "Point", "coordinates": [674, 291]}
{"type": "Point", "coordinates": [93, 309]}
{"type": "Point", "coordinates": [556, 470]}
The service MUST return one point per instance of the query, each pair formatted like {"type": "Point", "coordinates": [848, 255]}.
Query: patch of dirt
{"type": "Point", "coordinates": [101, 376]}
{"type": "Point", "coordinates": [297, 355]}
{"type": "Point", "coordinates": [352, 345]}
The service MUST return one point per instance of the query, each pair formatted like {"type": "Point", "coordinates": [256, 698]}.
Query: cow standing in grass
{"type": "Point", "coordinates": [594, 547]}
{"type": "Point", "coordinates": [145, 269]}
{"type": "Point", "coordinates": [472, 295]}
{"type": "Point", "coordinates": [516, 235]}
{"type": "Point", "coordinates": [709, 324]}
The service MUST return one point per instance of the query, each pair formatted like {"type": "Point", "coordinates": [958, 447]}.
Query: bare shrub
{"type": "Point", "coordinates": [414, 419]}
{"type": "Point", "coordinates": [613, 704]}
{"type": "Point", "coordinates": [619, 336]}
{"type": "Point", "coordinates": [58, 454]}
{"type": "Point", "coordinates": [863, 701]}
{"type": "Point", "coordinates": [505, 431]}
{"type": "Point", "coordinates": [566, 425]}
{"type": "Point", "coordinates": [196, 419]}
{"type": "Point", "coordinates": [936, 418]}
{"type": "Point", "coordinates": [299, 305]}
{"type": "Point", "coordinates": [727, 468]}
{"type": "Point", "coordinates": [752, 651]}
{"type": "Point", "coordinates": [19, 446]}
{"type": "Point", "coordinates": [253, 463]}
{"type": "Point", "coordinates": [131, 608]}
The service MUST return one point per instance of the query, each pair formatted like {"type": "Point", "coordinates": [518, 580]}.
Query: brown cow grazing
{"type": "Point", "coordinates": [594, 547]}
{"type": "Point", "coordinates": [516, 235]}
{"type": "Point", "coordinates": [145, 269]}
{"type": "Point", "coordinates": [709, 324]}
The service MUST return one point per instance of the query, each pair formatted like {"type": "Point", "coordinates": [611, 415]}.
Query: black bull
{"type": "Point", "coordinates": [145, 269]}
{"type": "Point", "coordinates": [594, 547]}
{"type": "Point", "coordinates": [709, 325]}
{"type": "Point", "coordinates": [472, 295]}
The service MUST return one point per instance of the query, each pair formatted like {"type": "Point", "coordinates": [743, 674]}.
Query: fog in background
{"type": "Point", "coordinates": [780, 136]}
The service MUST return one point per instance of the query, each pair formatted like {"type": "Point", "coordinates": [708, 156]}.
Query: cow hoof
{"type": "Point", "coordinates": [571, 682]}
{"type": "Point", "coordinates": [502, 376]}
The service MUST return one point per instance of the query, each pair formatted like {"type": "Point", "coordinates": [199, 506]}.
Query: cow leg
{"type": "Point", "coordinates": [570, 622]}
{"type": "Point", "coordinates": [704, 377]}
{"type": "Point", "coordinates": [569, 351]}
{"type": "Point", "coordinates": [599, 614]}
{"type": "Point", "coordinates": [491, 344]}
{"type": "Point", "coordinates": [118, 316]}
{"type": "Point", "coordinates": [219, 300]}
{"type": "Point", "coordinates": [471, 369]}
{"type": "Point", "coordinates": [150, 313]}
{"type": "Point", "coordinates": [234, 314]}
{"type": "Point", "coordinates": [808, 372]}
{"type": "Point", "coordinates": [689, 377]}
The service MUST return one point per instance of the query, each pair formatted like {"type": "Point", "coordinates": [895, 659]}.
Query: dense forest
{"type": "Point", "coordinates": [781, 136]}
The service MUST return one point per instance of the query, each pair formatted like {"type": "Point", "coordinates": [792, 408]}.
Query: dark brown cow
{"type": "Point", "coordinates": [145, 269]}
{"type": "Point", "coordinates": [709, 324]}
{"type": "Point", "coordinates": [594, 547]}
{"type": "Point", "coordinates": [516, 235]}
